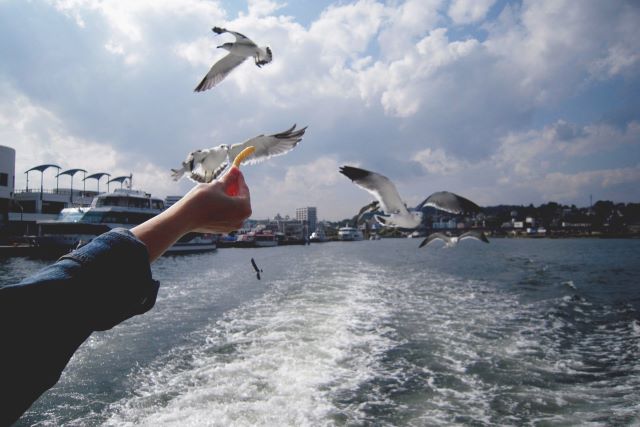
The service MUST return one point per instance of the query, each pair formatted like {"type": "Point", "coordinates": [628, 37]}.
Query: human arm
{"type": "Point", "coordinates": [47, 316]}
{"type": "Point", "coordinates": [206, 208]}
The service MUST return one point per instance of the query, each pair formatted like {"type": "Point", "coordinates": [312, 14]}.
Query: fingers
{"type": "Point", "coordinates": [243, 188]}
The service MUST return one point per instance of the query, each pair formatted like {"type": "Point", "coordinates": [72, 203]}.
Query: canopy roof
{"type": "Point", "coordinates": [97, 175]}
{"type": "Point", "coordinates": [119, 179]}
{"type": "Point", "coordinates": [42, 168]}
{"type": "Point", "coordinates": [72, 172]}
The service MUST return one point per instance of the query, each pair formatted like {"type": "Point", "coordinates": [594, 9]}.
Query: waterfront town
{"type": "Point", "coordinates": [27, 215]}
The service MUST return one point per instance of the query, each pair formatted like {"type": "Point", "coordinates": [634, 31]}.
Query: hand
{"type": "Point", "coordinates": [220, 206]}
{"type": "Point", "coordinates": [207, 208]}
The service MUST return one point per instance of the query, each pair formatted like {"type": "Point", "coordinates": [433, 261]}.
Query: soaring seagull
{"type": "Point", "coordinates": [239, 51]}
{"type": "Point", "coordinates": [206, 165]}
{"type": "Point", "coordinates": [396, 213]}
{"type": "Point", "coordinates": [453, 240]}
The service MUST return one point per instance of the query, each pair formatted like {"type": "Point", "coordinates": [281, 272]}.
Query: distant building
{"type": "Point", "coordinates": [308, 214]}
{"type": "Point", "coordinates": [7, 181]}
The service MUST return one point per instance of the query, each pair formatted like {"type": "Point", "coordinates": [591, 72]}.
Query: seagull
{"type": "Point", "coordinates": [255, 267]}
{"type": "Point", "coordinates": [396, 213]}
{"type": "Point", "coordinates": [453, 240]}
{"type": "Point", "coordinates": [239, 51]}
{"type": "Point", "coordinates": [208, 164]}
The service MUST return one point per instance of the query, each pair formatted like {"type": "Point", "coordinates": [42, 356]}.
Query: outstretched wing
{"type": "Point", "coordinates": [449, 202]}
{"type": "Point", "coordinates": [269, 145]}
{"type": "Point", "coordinates": [219, 71]}
{"type": "Point", "coordinates": [240, 38]}
{"type": "Point", "coordinates": [433, 237]}
{"type": "Point", "coordinates": [379, 185]}
{"type": "Point", "coordinates": [474, 234]}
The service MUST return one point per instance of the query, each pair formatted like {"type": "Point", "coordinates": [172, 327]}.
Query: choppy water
{"type": "Point", "coordinates": [517, 332]}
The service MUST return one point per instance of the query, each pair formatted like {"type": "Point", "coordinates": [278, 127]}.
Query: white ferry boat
{"type": "Point", "coordinates": [121, 208]}
{"type": "Point", "coordinates": [349, 234]}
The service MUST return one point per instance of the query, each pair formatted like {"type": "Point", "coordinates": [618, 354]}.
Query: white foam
{"type": "Point", "coordinates": [283, 358]}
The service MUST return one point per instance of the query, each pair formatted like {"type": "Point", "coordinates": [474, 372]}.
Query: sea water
{"type": "Point", "coordinates": [515, 332]}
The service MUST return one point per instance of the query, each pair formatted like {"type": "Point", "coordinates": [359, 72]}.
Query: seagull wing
{"type": "Point", "coordinates": [449, 202]}
{"type": "Point", "coordinates": [378, 185]}
{"type": "Point", "coordinates": [255, 266]}
{"type": "Point", "coordinates": [240, 38]}
{"type": "Point", "coordinates": [268, 145]}
{"type": "Point", "coordinates": [433, 237]}
{"type": "Point", "coordinates": [219, 71]}
{"type": "Point", "coordinates": [474, 234]}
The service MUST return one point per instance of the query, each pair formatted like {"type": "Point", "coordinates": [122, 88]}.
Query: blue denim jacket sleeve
{"type": "Point", "coordinates": [46, 317]}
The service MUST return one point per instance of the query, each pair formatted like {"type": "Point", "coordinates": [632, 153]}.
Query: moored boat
{"type": "Point", "coordinates": [348, 234]}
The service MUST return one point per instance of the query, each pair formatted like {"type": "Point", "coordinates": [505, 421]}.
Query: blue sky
{"type": "Point", "coordinates": [499, 101]}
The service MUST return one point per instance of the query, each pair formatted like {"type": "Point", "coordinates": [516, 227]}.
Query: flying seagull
{"type": "Point", "coordinates": [386, 194]}
{"type": "Point", "coordinates": [206, 165]}
{"type": "Point", "coordinates": [453, 240]}
{"type": "Point", "coordinates": [396, 213]}
{"type": "Point", "coordinates": [255, 267]}
{"type": "Point", "coordinates": [239, 51]}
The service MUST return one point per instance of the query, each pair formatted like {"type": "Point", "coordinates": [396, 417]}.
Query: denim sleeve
{"type": "Point", "coordinates": [46, 317]}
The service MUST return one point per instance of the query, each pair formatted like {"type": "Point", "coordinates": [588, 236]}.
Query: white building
{"type": "Point", "coordinates": [310, 215]}
{"type": "Point", "coordinates": [7, 181]}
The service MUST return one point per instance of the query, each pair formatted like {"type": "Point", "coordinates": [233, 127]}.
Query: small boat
{"type": "Point", "coordinates": [265, 239]}
{"type": "Point", "coordinates": [349, 234]}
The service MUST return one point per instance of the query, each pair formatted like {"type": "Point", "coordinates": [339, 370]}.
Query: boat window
{"type": "Point", "coordinates": [94, 217]}
{"type": "Point", "coordinates": [112, 201]}
{"type": "Point", "coordinates": [157, 204]}
{"type": "Point", "coordinates": [135, 202]}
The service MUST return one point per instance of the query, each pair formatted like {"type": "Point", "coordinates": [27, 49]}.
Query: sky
{"type": "Point", "coordinates": [503, 102]}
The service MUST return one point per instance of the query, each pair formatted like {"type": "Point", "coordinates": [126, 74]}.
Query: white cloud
{"type": "Point", "coordinates": [563, 186]}
{"type": "Point", "coordinates": [552, 46]}
{"type": "Point", "coordinates": [437, 162]}
{"type": "Point", "coordinates": [469, 11]}
{"type": "Point", "coordinates": [129, 20]}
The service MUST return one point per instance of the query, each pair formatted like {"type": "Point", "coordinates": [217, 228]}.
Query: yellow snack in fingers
{"type": "Point", "coordinates": [243, 155]}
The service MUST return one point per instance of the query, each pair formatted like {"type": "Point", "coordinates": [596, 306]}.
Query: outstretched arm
{"type": "Point", "coordinates": [206, 208]}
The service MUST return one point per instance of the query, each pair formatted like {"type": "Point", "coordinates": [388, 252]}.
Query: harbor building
{"type": "Point", "coordinates": [7, 181]}
{"type": "Point", "coordinates": [309, 216]}
{"type": "Point", "coordinates": [43, 198]}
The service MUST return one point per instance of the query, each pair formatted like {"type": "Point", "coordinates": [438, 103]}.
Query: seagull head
{"type": "Point", "coordinates": [226, 46]}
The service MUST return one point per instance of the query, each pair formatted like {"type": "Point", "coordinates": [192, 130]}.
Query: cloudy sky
{"type": "Point", "coordinates": [500, 101]}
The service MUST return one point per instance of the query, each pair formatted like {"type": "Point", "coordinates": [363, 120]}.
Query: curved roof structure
{"type": "Point", "coordinates": [72, 172]}
{"type": "Point", "coordinates": [119, 179]}
{"type": "Point", "coordinates": [96, 176]}
{"type": "Point", "coordinates": [42, 168]}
